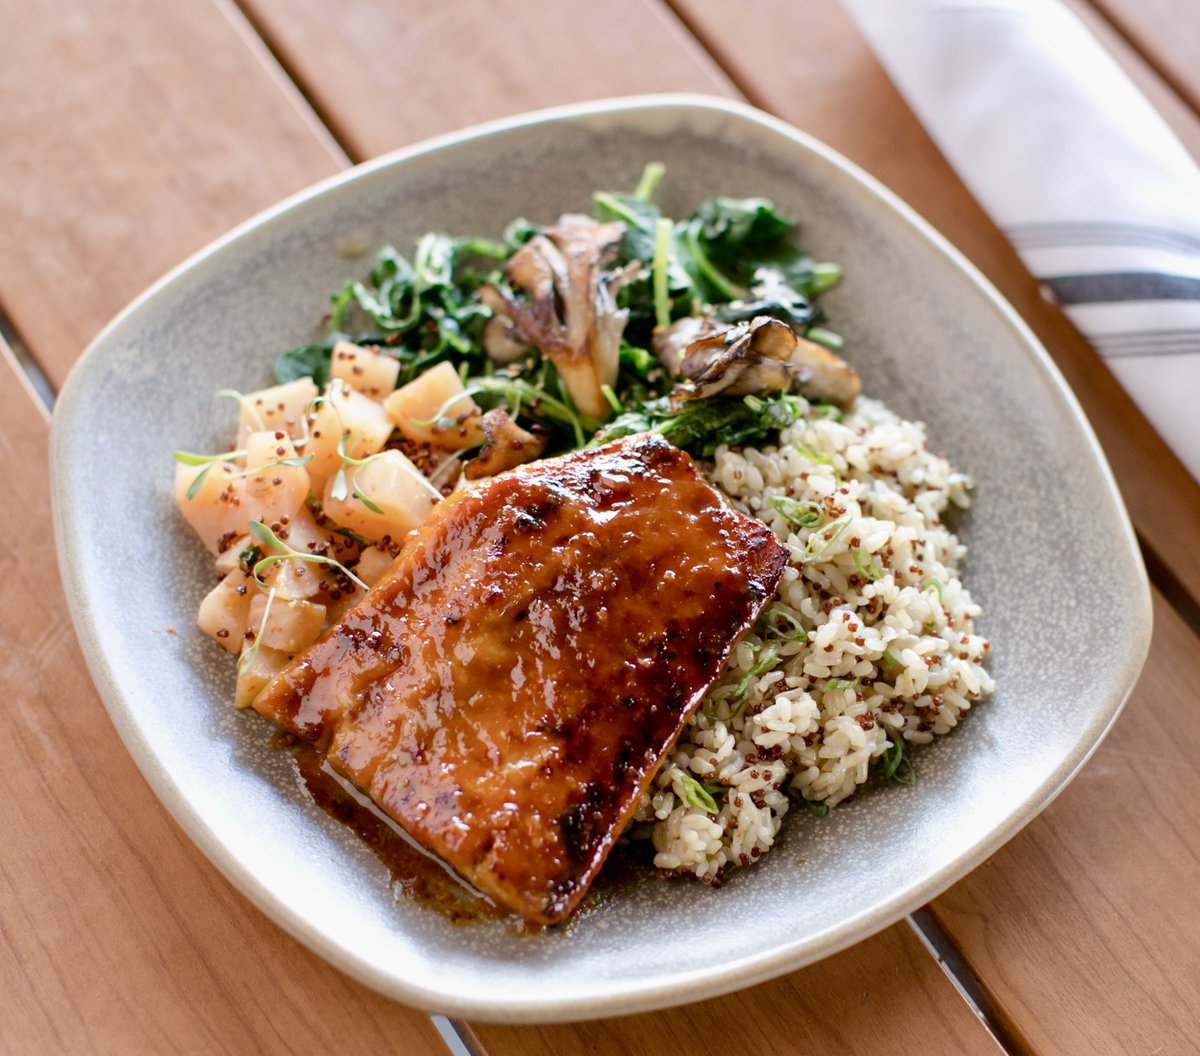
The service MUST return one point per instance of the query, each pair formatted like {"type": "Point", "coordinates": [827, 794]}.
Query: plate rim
{"type": "Point", "coordinates": [678, 989]}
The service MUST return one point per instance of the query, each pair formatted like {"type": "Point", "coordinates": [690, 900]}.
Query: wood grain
{"type": "Point", "coordinates": [116, 935]}
{"type": "Point", "coordinates": [883, 997]}
{"type": "Point", "coordinates": [134, 133]}
{"type": "Point", "coordinates": [809, 64]}
{"type": "Point", "coordinates": [1168, 34]}
{"type": "Point", "coordinates": [439, 67]}
{"type": "Point", "coordinates": [1085, 928]}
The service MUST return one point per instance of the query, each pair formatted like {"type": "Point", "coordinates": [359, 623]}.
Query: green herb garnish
{"type": "Point", "coordinates": [871, 570]}
{"type": "Point", "coordinates": [821, 542]}
{"type": "Point", "coordinates": [803, 513]}
{"type": "Point", "coordinates": [795, 631]}
{"type": "Point", "coordinates": [696, 795]}
{"type": "Point", "coordinates": [894, 765]}
{"type": "Point", "coordinates": [269, 539]}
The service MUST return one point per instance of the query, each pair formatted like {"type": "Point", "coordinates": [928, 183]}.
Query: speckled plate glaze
{"type": "Point", "coordinates": [1052, 559]}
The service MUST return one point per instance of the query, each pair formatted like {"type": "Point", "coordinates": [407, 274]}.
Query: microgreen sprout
{"type": "Point", "coordinates": [518, 390]}
{"type": "Point", "coordinates": [269, 539]}
{"type": "Point", "coordinates": [696, 795]}
{"type": "Point", "coordinates": [247, 657]}
{"type": "Point", "coordinates": [186, 458]}
{"type": "Point", "coordinates": [247, 407]}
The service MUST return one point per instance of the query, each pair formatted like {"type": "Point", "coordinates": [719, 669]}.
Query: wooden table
{"type": "Point", "coordinates": [134, 131]}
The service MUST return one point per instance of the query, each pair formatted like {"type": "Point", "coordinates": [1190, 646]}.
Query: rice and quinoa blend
{"type": "Point", "coordinates": [869, 644]}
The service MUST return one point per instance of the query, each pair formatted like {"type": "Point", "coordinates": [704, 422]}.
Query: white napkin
{"type": "Point", "coordinates": [1084, 177]}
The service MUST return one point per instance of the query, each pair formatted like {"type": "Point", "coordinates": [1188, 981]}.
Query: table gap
{"type": "Point", "coordinates": [311, 98]}
{"type": "Point", "coordinates": [39, 384]}
{"type": "Point", "coordinates": [730, 69]}
{"type": "Point", "coordinates": [969, 986]}
{"type": "Point", "coordinates": [1170, 586]}
{"type": "Point", "coordinates": [1162, 70]}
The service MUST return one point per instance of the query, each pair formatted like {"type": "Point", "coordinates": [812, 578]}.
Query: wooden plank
{"type": "Point", "coordinates": [810, 65]}
{"type": "Point", "coordinates": [116, 935]}
{"type": "Point", "coordinates": [1106, 879]}
{"type": "Point", "coordinates": [1167, 32]}
{"type": "Point", "coordinates": [134, 134]}
{"type": "Point", "coordinates": [883, 997]}
{"type": "Point", "coordinates": [438, 67]}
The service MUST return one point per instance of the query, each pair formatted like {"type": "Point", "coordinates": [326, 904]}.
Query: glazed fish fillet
{"type": "Point", "coordinates": [508, 691]}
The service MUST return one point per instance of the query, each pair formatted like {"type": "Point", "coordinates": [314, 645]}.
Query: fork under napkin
{"type": "Point", "coordinates": [1084, 177]}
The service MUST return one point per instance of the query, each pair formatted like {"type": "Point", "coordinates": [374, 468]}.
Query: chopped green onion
{"type": "Point", "coordinates": [839, 683]}
{"type": "Point", "coordinates": [797, 633]}
{"type": "Point", "coordinates": [894, 766]}
{"type": "Point", "coordinates": [829, 411]}
{"type": "Point", "coordinates": [821, 542]}
{"type": "Point", "coordinates": [813, 455]}
{"type": "Point", "coordinates": [871, 571]}
{"type": "Point", "coordinates": [817, 810]}
{"type": "Point", "coordinates": [935, 584]}
{"type": "Point", "coordinates": [768, 659]}
{"type": "Point", "coordinates": [696, 795]}
{"type": "Point", "coordinates": [804, 513]}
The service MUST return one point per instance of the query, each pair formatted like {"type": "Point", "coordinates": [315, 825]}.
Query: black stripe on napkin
{"type": "Point", "coordinates": [1116, 286]}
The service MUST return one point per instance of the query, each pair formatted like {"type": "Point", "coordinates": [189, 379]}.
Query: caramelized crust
{"type": "Point", "coordinates": [507, 692]}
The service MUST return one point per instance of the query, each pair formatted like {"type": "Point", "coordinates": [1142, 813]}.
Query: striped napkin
{"type": "Point", "coordinates": [1084, 177]}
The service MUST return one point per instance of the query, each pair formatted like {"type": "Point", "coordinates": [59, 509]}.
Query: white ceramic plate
{"type": "Point", "coordinates": [1052, 559]}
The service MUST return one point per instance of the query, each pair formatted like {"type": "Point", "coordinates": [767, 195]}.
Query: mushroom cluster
{"type": "Point", "coordinates": [751, 358]}
{"type": "Point", "coordinates": [568, 308]}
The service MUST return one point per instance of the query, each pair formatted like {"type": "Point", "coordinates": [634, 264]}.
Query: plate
{"type": "Point", "coordinates": [1052, 559]}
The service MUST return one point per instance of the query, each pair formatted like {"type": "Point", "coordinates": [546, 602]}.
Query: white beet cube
{"type": "Point", "coordinates": [225, 611]}
{"type": "Point", "coordinates": [292, 624]}
{"type": "Point", "coordinates": [402, 498]}
{"type": "Point", "coordinates": [365, 370]}
{"type": "Point", "coordinates": [434, 409]}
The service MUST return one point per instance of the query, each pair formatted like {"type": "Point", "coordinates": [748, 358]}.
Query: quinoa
{"type": "Point", "coordinates": [888, 655]}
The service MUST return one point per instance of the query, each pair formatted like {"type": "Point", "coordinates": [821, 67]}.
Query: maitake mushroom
{"type": "Point", "coordinates": [570, 310]}
{"type": "Point", "coordinates": [506, 446]}
{"type": "Point", "coordinates": [759, 356]}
